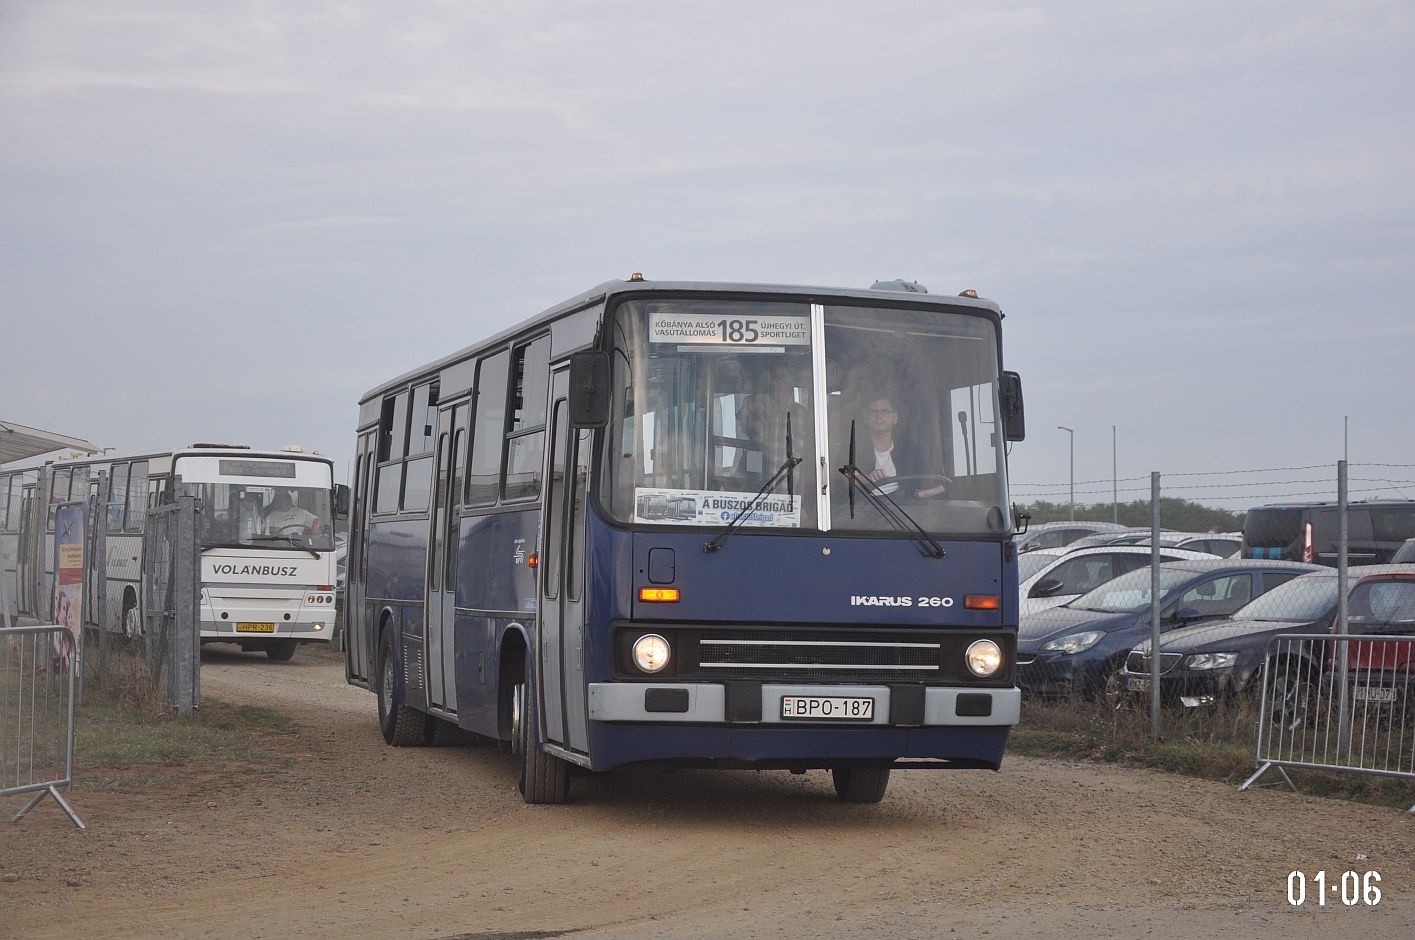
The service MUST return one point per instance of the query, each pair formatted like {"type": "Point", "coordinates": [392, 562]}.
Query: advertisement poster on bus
{"type": "Point", "coordinates": [69, 567]}
{"type": "Point", "coordinates": [715, 508]}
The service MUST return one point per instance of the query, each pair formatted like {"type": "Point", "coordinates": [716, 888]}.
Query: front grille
{"type": "Point", "coordinates": [819, 655]}
{"type": "Point", "coordinates": [1139, 663]}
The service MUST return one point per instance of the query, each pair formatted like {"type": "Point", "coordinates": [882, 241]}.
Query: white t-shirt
{"type": "Point", "coordinates": [281, 519]}
{"type": "Point", "coordinates": [884, 460]}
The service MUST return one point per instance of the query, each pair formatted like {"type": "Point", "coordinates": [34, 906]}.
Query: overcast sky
{"type": "Point", "coordinates": [228, 220]}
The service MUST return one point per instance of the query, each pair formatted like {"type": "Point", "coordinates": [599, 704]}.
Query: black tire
{"type": "Point", "coordinates": [401, 726]}
{"type": "Point", "coordinates": [544, 778]}
{"type": "Point", "coordinates": [1293, 692]}
{"type": "Point", "coordinates": [281, 650]}
{"type": "Point", "coordinates": [860, 783]}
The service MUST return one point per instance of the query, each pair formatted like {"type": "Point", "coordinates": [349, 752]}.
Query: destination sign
{"type": "Point", "coordinates": [257, 468]}
{"type": "Point", "coordinates": [705, 329]}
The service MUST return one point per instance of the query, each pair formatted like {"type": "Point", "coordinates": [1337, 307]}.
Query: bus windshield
{"type": "Point", "coordinates": [265, 516]}
{"type": "Point", "coordinates": [714, 396]}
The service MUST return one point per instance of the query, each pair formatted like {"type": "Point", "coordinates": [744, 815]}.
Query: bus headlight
{"type": "Point", "coordinates": [651, 653]}
{"type": "Point", "coordinates": [984, 658]}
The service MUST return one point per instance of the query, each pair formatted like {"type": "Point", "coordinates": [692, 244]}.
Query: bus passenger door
{"type": "Point", "coordinates": [356, 619]}
{"type": "Point", "coordinates": [441, 574]}
{"type": "Point", "coordinates": [562, 621]}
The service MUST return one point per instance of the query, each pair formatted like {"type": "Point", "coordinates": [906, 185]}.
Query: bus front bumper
{"type": "Point", "coordinates": [752, 703]}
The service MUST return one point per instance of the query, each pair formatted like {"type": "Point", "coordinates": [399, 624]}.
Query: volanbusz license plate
{"type": "Point", "coordinates": [827, 707]}
{"type": "Point", "coordinates": [246, 626]}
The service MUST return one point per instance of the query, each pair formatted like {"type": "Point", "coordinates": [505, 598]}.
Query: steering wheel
{"type": "Point", "coordinates": [933, 479]}
{"type": "Point", "coordinates": [294, 530]}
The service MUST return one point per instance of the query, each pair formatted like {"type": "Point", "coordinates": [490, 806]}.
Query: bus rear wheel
{"type": "Point", "coordinates": [281, 651]}
{"type": "Point", "coordinates": [860, 783]}
{"type": "Point", "coordinates": [401, 726]}
{"type": "Point", "coordinates": [544, 778]}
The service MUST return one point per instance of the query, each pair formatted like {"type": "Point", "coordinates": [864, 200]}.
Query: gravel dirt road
{"type": "Point", "coordinates": [356, 838]}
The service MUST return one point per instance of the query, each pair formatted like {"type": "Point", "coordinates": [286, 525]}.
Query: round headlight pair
{"type": "Point", "coordinates": [651, 653]}
{"type": "Point", "coordinates": [984, 658]}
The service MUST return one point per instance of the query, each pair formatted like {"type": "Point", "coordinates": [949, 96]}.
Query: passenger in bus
{"type": "Point", "coordinates": [886, 459]}
{"type": "Point", "coordinates": [283, 517]}
{"type": "Point", "coordinates": [763, 416]}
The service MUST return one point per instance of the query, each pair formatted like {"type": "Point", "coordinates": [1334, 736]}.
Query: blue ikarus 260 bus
{"type": "Point", "coordinates": [698, 525]}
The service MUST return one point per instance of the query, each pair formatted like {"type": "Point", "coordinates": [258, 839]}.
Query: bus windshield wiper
{"type": "Point", "coordinates": [885, 504]}
{"type": "Point", "coordinates": [282, 538]}
{"type": "Point", "coordinates": [785, 470]}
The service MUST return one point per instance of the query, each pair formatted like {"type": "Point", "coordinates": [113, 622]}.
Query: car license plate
{"type": "Point", "coordinates": [830, 708]}
{"type": "Point", "coordinates": [246, 626]}
{"type": "Point", "coordinates": [1137, 683]}
{"type": "Point", "coordinates": [1373, 693]}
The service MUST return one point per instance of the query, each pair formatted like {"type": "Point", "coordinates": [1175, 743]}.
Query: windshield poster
{"type": "Point", "coordinates": [714, 508]}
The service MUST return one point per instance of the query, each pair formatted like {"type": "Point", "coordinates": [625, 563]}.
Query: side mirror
{"type": "Point", "coordinates": [1046, 587]}
{"type": "Point", "coordinates": [1009, 394]}
{"type": "Point", "coordinates": [589, 389]}
{"type": "Point", "coordinates": [1186, 614]}
{"type": "Point", "coordinates": [341, 499]}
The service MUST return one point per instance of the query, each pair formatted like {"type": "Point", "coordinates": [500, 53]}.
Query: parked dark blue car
{"type": "Point", "coordinates": [1076, 647]}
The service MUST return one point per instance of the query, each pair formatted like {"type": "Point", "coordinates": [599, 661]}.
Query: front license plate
{"type": "Point", "coordinates": [829, 708]}
{"type": "Point", "coordinates": [1137, 683]}
{"type": "Point", "coordinates": [1373, 693]}
{"type": "Point", "coordinates": [245, 626]}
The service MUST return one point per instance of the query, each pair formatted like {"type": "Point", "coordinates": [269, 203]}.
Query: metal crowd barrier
{"type": "Point", "coordinates": [1337, 702]}
{"type": "Point", "coordinates": [37, 673]}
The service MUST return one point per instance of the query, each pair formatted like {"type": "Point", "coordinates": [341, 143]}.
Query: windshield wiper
{"type": "Point", "coordinates": [787, 466]}
{"type": "Point", "coordinates": [282, 538]}
{"type": "Point", "coordinates": [885, 504]}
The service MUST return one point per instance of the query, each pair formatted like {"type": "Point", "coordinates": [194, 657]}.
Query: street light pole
{"type": "Point", "coordinates": [1114, 482]}
{"type": "Point", "coordinates": [1072, 438]}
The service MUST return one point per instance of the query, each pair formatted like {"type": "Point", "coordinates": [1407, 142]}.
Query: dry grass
{"type": "Point", "coordinates": [1214, 743]}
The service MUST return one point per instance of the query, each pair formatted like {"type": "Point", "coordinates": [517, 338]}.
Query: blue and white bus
{"type": "Point", "coordinates": [704, 525]}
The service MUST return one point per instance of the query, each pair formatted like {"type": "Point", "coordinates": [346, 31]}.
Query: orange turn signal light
{"type": "Point", "coordinates": [533, 560]}
{"type": "Point", "coordinates": [660, 595]}
{"type": "Point", "coordinates": [982, 602]}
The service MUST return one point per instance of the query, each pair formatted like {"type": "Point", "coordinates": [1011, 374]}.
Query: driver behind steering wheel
{"type": "Point", "coordinates": [282, 517]}
{"type": "Point", "coordinates": [890, 460]}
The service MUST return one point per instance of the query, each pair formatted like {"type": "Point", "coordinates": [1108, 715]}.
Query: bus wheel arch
{"type": "Point", "coordinates": [511, 667]}
{"type": "Point", "coordinates": [130, 620]}
{"type": "Point", "coordinates": [400, 725]}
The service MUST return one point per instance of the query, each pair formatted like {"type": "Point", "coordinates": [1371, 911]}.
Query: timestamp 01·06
{"type": "Point", "coordinates": [1351, 887]}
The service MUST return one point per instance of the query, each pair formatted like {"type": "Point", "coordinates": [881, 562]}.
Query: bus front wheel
{"type": "Point", "coordinates": [860, 783]}
{"type": "Point", "coordinates": [544, 778]}
{"type": "Point", "coordinates": [401, 726]}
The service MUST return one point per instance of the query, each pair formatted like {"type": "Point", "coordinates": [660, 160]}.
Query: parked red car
{"type": "Point", "coordinates": [1382, 604]}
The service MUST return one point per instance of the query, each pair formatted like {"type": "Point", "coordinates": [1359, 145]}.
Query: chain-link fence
{"type": "Point", "coordinates": [1164, 621]}
{"type": "Point", "coordinates": [171, 597]}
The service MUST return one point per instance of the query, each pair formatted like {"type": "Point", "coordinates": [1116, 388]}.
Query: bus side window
{"type": "Point", "coordinates": [117, 496]}
{"type": "Point", "coordinates": [459, 469]}
{"type": "Point", "coordinates": [575, 561]}
{"type": "Point", "coordinates": [137, 496]}
{"type": "Point", "coordinates": [525, 437]}
{"type": "Point", "coordinates": [483, 473]}
{"type": "Point", "coordinates": [422, 419]}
